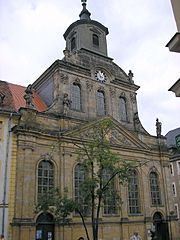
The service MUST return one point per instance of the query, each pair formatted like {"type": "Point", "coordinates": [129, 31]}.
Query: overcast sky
{"type": "Point", "coordinates": [31, 39]}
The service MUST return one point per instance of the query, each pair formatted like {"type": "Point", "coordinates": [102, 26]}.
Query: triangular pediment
{"type": "Point", "coordinates": [119, 135]}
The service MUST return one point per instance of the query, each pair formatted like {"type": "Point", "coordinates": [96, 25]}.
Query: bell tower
{"type": "Point", "coordinates": [86, 34]}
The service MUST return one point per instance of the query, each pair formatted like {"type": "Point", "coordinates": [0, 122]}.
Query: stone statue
{"type": "Point", "coordinates": [137, 122]}
{"type": "Point", "coordinates": [66, 104]}
{"type": "Point", "coordinates": [130, 76]}
{"type": "Point", "coordinates": [29, 96]}
{"type": "Point", "coordinates": [2, 96]}
{"type": "Point", "coordinates": [158, 128]}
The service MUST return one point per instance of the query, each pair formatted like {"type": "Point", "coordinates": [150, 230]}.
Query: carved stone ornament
{"type": "Point", "coordinates": [46, 157]}
{"type": "Point", "coordinates": [158, 128]}
{"type": "Point", "coordinates": [64, 78]}
{"type": "Point", "coordinates": [77, 81]}
{"type": "Point", "coordinates": [66, 104]}
{"type": "Point", "coordinates": [29, 96]}
{"type": "Point", "coordinates": [2, 96]}
{"type": "Point", "coordinates": [118, 138]}
{"type": "Point", "coordinates": [130, 76]}
{"type": "Point", "coordinates": [123, 95]}
{"type": "Point", "coordinates": [101, 88]}
{"type": "Point", "coordinates": [133, 97]}
{"type": "Point", "coordinates": [89, 86]}
{"type": "Point", "coordinates": [137, 122]}
{"type": "Point", "coordinates": [112, 92]}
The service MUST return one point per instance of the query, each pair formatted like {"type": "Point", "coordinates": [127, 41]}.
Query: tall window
{"type": "Point", "coordinates": [76, 97]}
{"type": "Point", "coordinates": [79, 177]}
{"type": "Point", "coordinates": [171, 169]}
{"type": "Point", "coordinates": [155, 190]}
{"type": "Point", "coordinates": [110, 196]}
{"type": "Point", "coordinates": [174, 189]}
{"type": "Point", "coordinates": [100, 103]}
{"type": "Point", "coordinates": [95, 40]}
{"type": "Point", "coordinates": [45, 177]}
{"type": "Point", "coordinates": [133, 192]}
{"type": "Point", "coordinates": [1, 130]}
{"type": "Point", "coordinates": [123, 109]}
{"type": "Point", "coordinates": [73, 43]}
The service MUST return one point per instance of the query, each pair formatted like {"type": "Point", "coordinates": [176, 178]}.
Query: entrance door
{"type": "Point", "coordinates": [161, 227]}
{"type": "Point", "coordinates": [45, 227]}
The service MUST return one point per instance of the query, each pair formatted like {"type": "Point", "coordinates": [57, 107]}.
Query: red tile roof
{"type": "Point", "coordinates": [14, 97]}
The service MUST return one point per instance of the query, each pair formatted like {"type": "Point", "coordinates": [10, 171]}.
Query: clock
{"type": "Point", "coordinates": [100, 76]}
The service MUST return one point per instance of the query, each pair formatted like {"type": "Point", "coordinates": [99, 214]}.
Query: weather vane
{"type": "Point", "coordinates": [83, 1]}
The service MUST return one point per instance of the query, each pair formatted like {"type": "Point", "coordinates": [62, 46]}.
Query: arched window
{"type": "Point", "coordinates": [123, 109]}
{"type": "Point", "coordinates": [76, 97]}
{"type": "Point", "coordinates": [73, 43]}
{"type": "Point", "coordinates": [79, 177]}
{"type": "Point", "coordinates": [155, 189]}
{"type": "Point", "coordinates": [95, 40]}
{"type": "Point", "coordinates": [45, 177]}
{"type": "Point", "coordinates": [110, 197]}
{"type": "Point", "coordinates": [133, 192]}
{"type": "Point", "coordinates": [100, 103]}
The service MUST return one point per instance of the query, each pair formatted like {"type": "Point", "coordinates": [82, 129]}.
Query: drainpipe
{"type": "Point", "coordinates": [6, 172]}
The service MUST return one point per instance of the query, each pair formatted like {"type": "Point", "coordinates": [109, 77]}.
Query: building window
{"type": "Point", "coordinates": [95, 40]}
{"type": "Point", "coordinates": [178, 167]}
{"type": "Point", "coordinates": [79, 177]}
{"type": "Point", "coordinates": [100, 103]}
{"type": "Point", "coordinates": [45, 177]}
{"type": "Point", "coordinates": [76, 97]}
{"type": "Point", "coordinates": [123, 109]}
{"type": "Point", "coordinates": [1, 131]}
{"type": "Point", "coordinates": [155, 190]}
{"type": "Point", "coordinates": [176, 207]}
{"type": "Point", "coordinates": [73, 43]}
{"type": "Point", "coordinates": [133, 192]}
{"type": "Point", "coordinates": [174, 189]}
{"type": "Point", "coordinates": [110, 198]}
{"type": "Point", "coordinates": [171, 169]}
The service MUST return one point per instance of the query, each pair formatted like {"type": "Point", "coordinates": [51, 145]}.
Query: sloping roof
{"type": "Point", "coordinates": [14, 97]}
{"type": "Point", "coordinates": [176, 88]}
{"type": "Point", "coordinates": [171, 137]}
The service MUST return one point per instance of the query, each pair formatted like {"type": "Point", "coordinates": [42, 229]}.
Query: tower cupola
{"type": "Point", "coordinates": [86, 34]}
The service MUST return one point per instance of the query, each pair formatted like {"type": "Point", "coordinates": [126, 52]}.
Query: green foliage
{"type": "Point", "coordinates": [60, 206]}
{"type": "Point", "coordinates": [102, 167]}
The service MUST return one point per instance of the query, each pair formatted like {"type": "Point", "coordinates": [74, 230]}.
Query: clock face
{"type": "Point", "coordinates": [100, 76]}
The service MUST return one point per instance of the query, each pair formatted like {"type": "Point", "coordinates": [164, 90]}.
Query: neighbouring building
{"type": "Point", "coordinates": [11, 99]}
{"type": "Point", "coordinates": [176, 88]}
{"type": "Point", "coordinates": [62, 106]}
{"type": "Point", "coordinates": [174, 43]}
{"type": "Point", "coordinates": [173, 143]}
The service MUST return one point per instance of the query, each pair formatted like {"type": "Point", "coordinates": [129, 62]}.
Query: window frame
{"type": "Point", "coordinates": [76, 98]}
{"type": "Point", "coordinates": [95, 40]}
{"type": "Point", "coordinates": [99, 101]}
{"type": "Point", "coordinates": [50, 178]}
{"type": "Point", "coordinates": [77, 182]}
{"type": "Point", "coordinates": [174, 190]}
{"type": "Point", "coordinates": [171, 169]}
{"type": "Point", "coordinates": [73, 43]}
{"type": "Point", "coordinates": [156, 199]}
{"type": "Point", "coordinates": [176, 207]}
{"type": "Point", "coordinates": [109, 200]}
{"type": "Point", "coordinates": [123, 109]}
{"type": "Point", "coordinates": [136, 195]}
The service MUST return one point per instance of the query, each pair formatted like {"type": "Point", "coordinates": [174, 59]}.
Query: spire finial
{"type": "Point", "coordinates": [83, 1]}
{"type": "Point", "coordinates": [85, 14]}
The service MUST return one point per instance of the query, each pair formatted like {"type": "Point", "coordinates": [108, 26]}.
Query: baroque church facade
{"type": "Point", "coordinates": [63, 105]}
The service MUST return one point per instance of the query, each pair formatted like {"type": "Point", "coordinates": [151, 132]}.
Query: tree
{"type": "Point", "coordinates": [98, 168]}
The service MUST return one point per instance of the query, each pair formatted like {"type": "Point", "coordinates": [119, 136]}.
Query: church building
{"type": "Point", "coordinates": [63, 105]}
